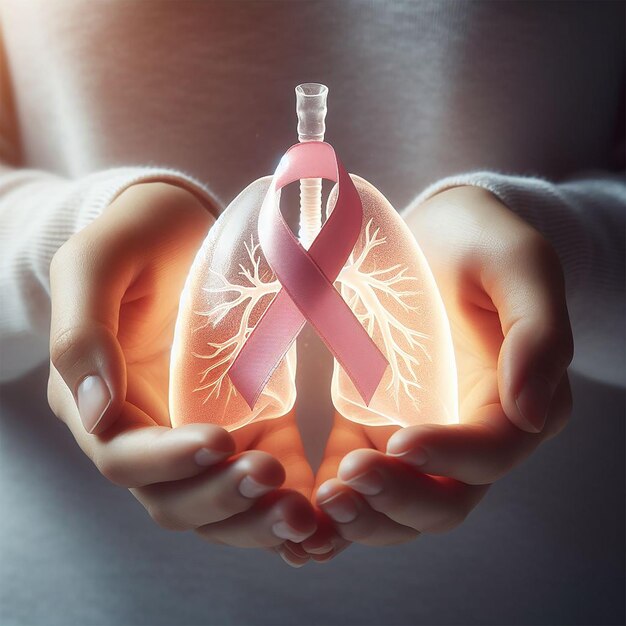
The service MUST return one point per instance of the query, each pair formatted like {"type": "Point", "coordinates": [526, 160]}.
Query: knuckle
{"type": "Point", "coordinates": [66, 345]}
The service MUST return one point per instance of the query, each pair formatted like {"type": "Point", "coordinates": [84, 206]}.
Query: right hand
{"type": "Point", "coordinates": [115, 288]}
{"type": "Point", "coordinates": [503, 288]}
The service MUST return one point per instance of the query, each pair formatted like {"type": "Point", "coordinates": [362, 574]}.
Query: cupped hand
{"type": "Point", "coordinates": [503, 290]}
{"type": "Point", "coordinates": [115, 289]}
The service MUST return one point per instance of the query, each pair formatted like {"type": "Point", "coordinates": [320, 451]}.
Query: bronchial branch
{"type": "Point", "coordinates": [248, 294]}
{"type": "Point", "coordinates": [377, 296]}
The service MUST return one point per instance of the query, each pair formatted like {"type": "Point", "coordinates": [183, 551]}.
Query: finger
{"type": "Point", "coordinates": [281, 438]}
{"type": "Point", "coordinates": [421, 502]}
{"type": "Point", "coordinates": [342, 545]}
{"type": "Point", "coordinates": [326, 542]}
{"type": "Point", "coordinates": [529, 295]}
{"type": "Point", "coordinates": [356, 520]}
{"type": "Point", "coordinates": [295, 554]}
{"type": "Point", "coordinates": [478, 452]}
{"type": "Point", "coordinates": [218, 493]}
{"type": "Point", "coordinates": [91, 274]}
{"type": "Point", "coordinates": [87, 284]}
{"type": "Point", "coordinates": [293, 558]}
{"type": "Point", "coordinates": [157, 454]}
{"type": "Point", "coordinates": [344, 437]}
{"type": "Point", "coordinates": [134, 452]}
{"type": "Point", "coordinates": [280, 516]}
{"type": "Point", "coordinates": [560, 409]}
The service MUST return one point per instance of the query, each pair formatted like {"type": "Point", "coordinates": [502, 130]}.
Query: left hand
{"type": "Point", "coordinates": [115, 288]}
{"type": "Point", "coordinates": [503, 289]}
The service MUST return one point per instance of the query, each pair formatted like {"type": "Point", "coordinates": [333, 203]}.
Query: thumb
{"type": "Point", "coordinates": [529, 293]}
{"type": "Point", "coordinates": [86, 287]}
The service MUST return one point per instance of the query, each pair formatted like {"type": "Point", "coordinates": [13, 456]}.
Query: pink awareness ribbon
{"type": "Point", "coordinates": [307, 292]}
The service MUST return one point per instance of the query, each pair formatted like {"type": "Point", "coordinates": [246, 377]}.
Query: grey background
{"type": "Point", "coordinates": [545, 547]}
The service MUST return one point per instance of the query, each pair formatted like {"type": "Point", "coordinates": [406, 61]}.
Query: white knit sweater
{"type": "Point", "coordinates": [520, 98]}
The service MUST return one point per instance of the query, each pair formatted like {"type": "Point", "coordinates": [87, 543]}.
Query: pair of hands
{"type": "Point", "coordinates": [115, 289]}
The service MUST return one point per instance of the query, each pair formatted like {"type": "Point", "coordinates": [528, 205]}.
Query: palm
{"type": "Point", "coordinates": [146, 330]}
{"type": "Point", "coordinates": [477, 338]}
{"type": "Point", "coordinates": [472, 243]}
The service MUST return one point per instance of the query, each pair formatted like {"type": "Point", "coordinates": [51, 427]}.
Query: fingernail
{"type": "Point", "coordinates": [413, 456]}
{"type": "Point", "coordinates": [341, 508]}
{"type": "Point", "coordinates": [369, 484]}
{"type": "Point", "coordinates": [324, 558]}
{"type": "Point", "coordinates": [206, 457]}
{"type": "Point", "coordinates": [250, 488]}
{"type": "Point", "coordinates": [324, 549]}
{"type": "Point", "coordinates": [284, 555]}
{"type": "Point", "coordinates": [296, 549]}
{"type": "Point", "coordinates": [92, 398]}
{"type": "Point", "coordinates": [533, 402]}
{"type": "Point", "coordinates": [284, 531]}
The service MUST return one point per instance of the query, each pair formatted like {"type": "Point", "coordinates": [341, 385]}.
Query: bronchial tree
{"type": "Point", "coordinates": [375, 295]}
{"type": "Point", "coordinates": [253, 287]}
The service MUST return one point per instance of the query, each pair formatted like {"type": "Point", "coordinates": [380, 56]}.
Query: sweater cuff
{"type": "Point", "coordinates": [106, 186]}
{"type": "Point", "coordinates": [541, 204]}
{"type": "Point", "coordinates": [87, 198]}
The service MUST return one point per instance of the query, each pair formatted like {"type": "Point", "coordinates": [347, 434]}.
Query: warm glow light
{"type": "Point", "coordinates": [390, 288]}
{"type": "Point", "coordinates": [228, 289]}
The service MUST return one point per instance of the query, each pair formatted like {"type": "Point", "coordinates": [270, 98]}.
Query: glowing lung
{"type": "Point", "coordinates": [387, 284]}
{"type": "Point", "coordinates": [390, 288]}
{"type": "Point", "coordinates": [228, 289]}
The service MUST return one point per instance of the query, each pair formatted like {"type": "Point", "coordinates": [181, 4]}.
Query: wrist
{"type": "Point", "coordinates": [167, 195]}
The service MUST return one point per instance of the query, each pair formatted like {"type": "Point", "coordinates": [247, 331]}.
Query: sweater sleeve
{"type": "Point", "coordinates": [38, 213]}
{"type": "Point", "coordinates": [585, 220]}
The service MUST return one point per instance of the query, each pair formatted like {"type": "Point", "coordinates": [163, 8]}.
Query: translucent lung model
{"type": "Point", "coordinates": [390, 288]}
{"type": "Point", "coordinates": [386, 282]}
{"type": "Point", "coordinates": [228, 289]}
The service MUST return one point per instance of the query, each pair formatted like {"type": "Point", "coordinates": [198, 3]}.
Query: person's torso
{"type": "Point", "coordinates": [418, 90]}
